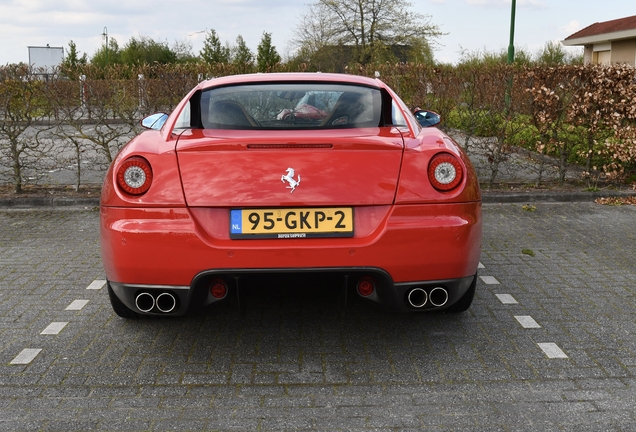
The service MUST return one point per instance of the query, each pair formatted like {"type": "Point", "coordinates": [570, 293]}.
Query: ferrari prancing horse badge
{"type": "Point", "coordinates": [289, 178]}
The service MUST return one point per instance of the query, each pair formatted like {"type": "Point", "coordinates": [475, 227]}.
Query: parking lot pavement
{"type": "Point", "coordinates": [549, 343]}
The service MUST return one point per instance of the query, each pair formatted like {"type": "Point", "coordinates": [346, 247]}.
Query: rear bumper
{"type": "Point", "coordinates": [413, 296]}
{"type": "Point", "coordinates": [401, 246]}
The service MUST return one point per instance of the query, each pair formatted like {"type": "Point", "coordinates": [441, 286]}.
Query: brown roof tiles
{"type": "Point", "coordinates": [612, 26]}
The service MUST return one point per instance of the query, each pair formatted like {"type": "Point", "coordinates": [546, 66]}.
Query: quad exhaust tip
{"type": "Point", "coordinates": [438, 296]}
{"type": "Point", "coordinates": [145, 302]}
{"type": "Point", "coordinates": [165, 302]}
{"type": "Point", "coordinates": [418, 297]}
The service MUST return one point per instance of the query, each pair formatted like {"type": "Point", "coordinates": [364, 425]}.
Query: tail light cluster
{"type": "Point", "coordinates": [135, 176]}
{"type": "Point", "coordinates": [445, 172]}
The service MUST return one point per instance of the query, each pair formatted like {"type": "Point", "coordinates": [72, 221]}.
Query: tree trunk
{"type": "Point", "coordinates": [590, 151]}
{"type": "Point", "coordinates": [17, 167]}
{"type": "Point", "coordinates": [78, 176]}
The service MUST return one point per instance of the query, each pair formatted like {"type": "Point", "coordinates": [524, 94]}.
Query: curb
{"type": "Point", "coordinates": [488, 197]}
{"type": "Point", "coordinates": [555, 197]}
{"type": "Point", "coordinates": [48, 202]}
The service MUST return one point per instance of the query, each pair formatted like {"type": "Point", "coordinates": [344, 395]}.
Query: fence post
{"type": "Point", "coordinates": [82, 79]}
{"type": "Point", "coordinates": [140, 78]}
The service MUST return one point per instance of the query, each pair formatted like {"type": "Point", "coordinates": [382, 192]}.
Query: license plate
{"type": "Point", "coordinates": [289, 223]}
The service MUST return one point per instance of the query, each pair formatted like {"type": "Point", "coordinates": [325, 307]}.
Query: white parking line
{"type": "Point", "coordinates": [489, 280]}
{"type": "Point", "coordinates": [481, 266]}
{"type": "Point", "coordinates": [506, 299]}
{"type": "Point", "coordinates": [77, 305]}
{"type": "Point", "coordinates": [26, 356]}
{"type": "Point", "coordinates": [96, 285]}
{"type": "Point", "coordinates": [527, 322]}
{"type": "Point", "coordinates": [54, 328]}
{"type": "Point", "coordinates": [552, 350]}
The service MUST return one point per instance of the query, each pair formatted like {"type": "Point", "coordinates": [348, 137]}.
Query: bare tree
{"type": "Point", "coordinates": [94, 119]}
{"type": "Point", "coordinates": [65, 99]}
{"type": "Point", "coordinates": [314, 31]}
{"type": "Point", "coordinates": [21, 106]}
{"type": "Point", "coordinates": [374, 28]}
{"type": "Point", "coordinates": [494, 112]}
{"type": "Point", "coordinates": [106, 104]}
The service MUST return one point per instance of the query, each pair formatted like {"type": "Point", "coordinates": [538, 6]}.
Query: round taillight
{"type": "Point", "coordinates": [218, 290]}
{"type": "Point", "coordinates": [134, 175]}
{"type": "Point", "coordinates": [445, 172]}
{"type": "Point", "coordinates": [366, 287]}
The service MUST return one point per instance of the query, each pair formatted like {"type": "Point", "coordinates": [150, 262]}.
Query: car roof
{"type": "Point", "coordinates": [291, 77]}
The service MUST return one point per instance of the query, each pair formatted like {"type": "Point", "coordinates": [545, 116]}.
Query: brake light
{"type": "Point", "coordinates": [135, 176]}
{"type": "Point", "coordinates": [445, 172]}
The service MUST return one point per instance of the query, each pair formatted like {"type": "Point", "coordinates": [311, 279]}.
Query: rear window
{"type": "Point", "coordinates": [290, 106]}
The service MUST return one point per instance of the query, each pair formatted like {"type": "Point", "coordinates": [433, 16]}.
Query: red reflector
{"type": "Point", "coordinates": [218, 290]}
{"type": "Point", "coordinates": [366, 287]}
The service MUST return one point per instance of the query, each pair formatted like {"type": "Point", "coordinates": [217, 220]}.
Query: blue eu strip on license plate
{"type": "Point", "coordinates": [236, 223]}
{"type": "Point", "coordinates": [286, 223]}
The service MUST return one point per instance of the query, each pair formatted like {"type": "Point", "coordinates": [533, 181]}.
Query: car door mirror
{"type": "Point", "coordinates": [427, 118]}
{"type": "Point", "coordinates": [154, 121]}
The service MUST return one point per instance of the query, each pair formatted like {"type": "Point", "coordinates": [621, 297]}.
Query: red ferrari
{"type": "Point", "coordinates": [225, 192]}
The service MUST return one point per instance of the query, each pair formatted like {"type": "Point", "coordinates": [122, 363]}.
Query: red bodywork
{"type": "Point", "coordinates": [180, 227]}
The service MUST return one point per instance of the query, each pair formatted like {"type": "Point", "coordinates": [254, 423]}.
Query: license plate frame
{"type": "Point", "coordinates": [291, 222]}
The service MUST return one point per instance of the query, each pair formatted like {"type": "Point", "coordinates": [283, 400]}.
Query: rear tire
{"type": "Point", "coordinates": [120, 308]}
{"type": "Point", "coordinates": [463, 304]}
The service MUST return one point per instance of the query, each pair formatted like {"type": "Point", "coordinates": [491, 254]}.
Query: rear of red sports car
{"type": "Point", "coordinates": [228, 191]}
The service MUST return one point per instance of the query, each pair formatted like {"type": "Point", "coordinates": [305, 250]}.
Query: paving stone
{"type": "Point", "coordinates": [293, 363]}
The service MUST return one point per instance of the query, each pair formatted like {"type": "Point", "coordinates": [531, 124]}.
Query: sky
{"type": "Point", "coordinates": [470, 26]}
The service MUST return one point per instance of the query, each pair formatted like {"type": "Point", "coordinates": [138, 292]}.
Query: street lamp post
{"type": "Point", "coordinates": [105, 35]}
{"type": "Point", "coordinates": [511, 56]}
{"type": "Point", "coordinates": [511, 46]}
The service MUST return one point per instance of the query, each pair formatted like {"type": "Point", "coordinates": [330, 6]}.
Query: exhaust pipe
{"type": "Point", "coordinates": [145, 302]}
{"type": "Point", "coordinates": [438, 296]}
{"type": "Point", "coordinates": [417, 297]}
{"type": "Point", "coordinates": [166, 302]}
